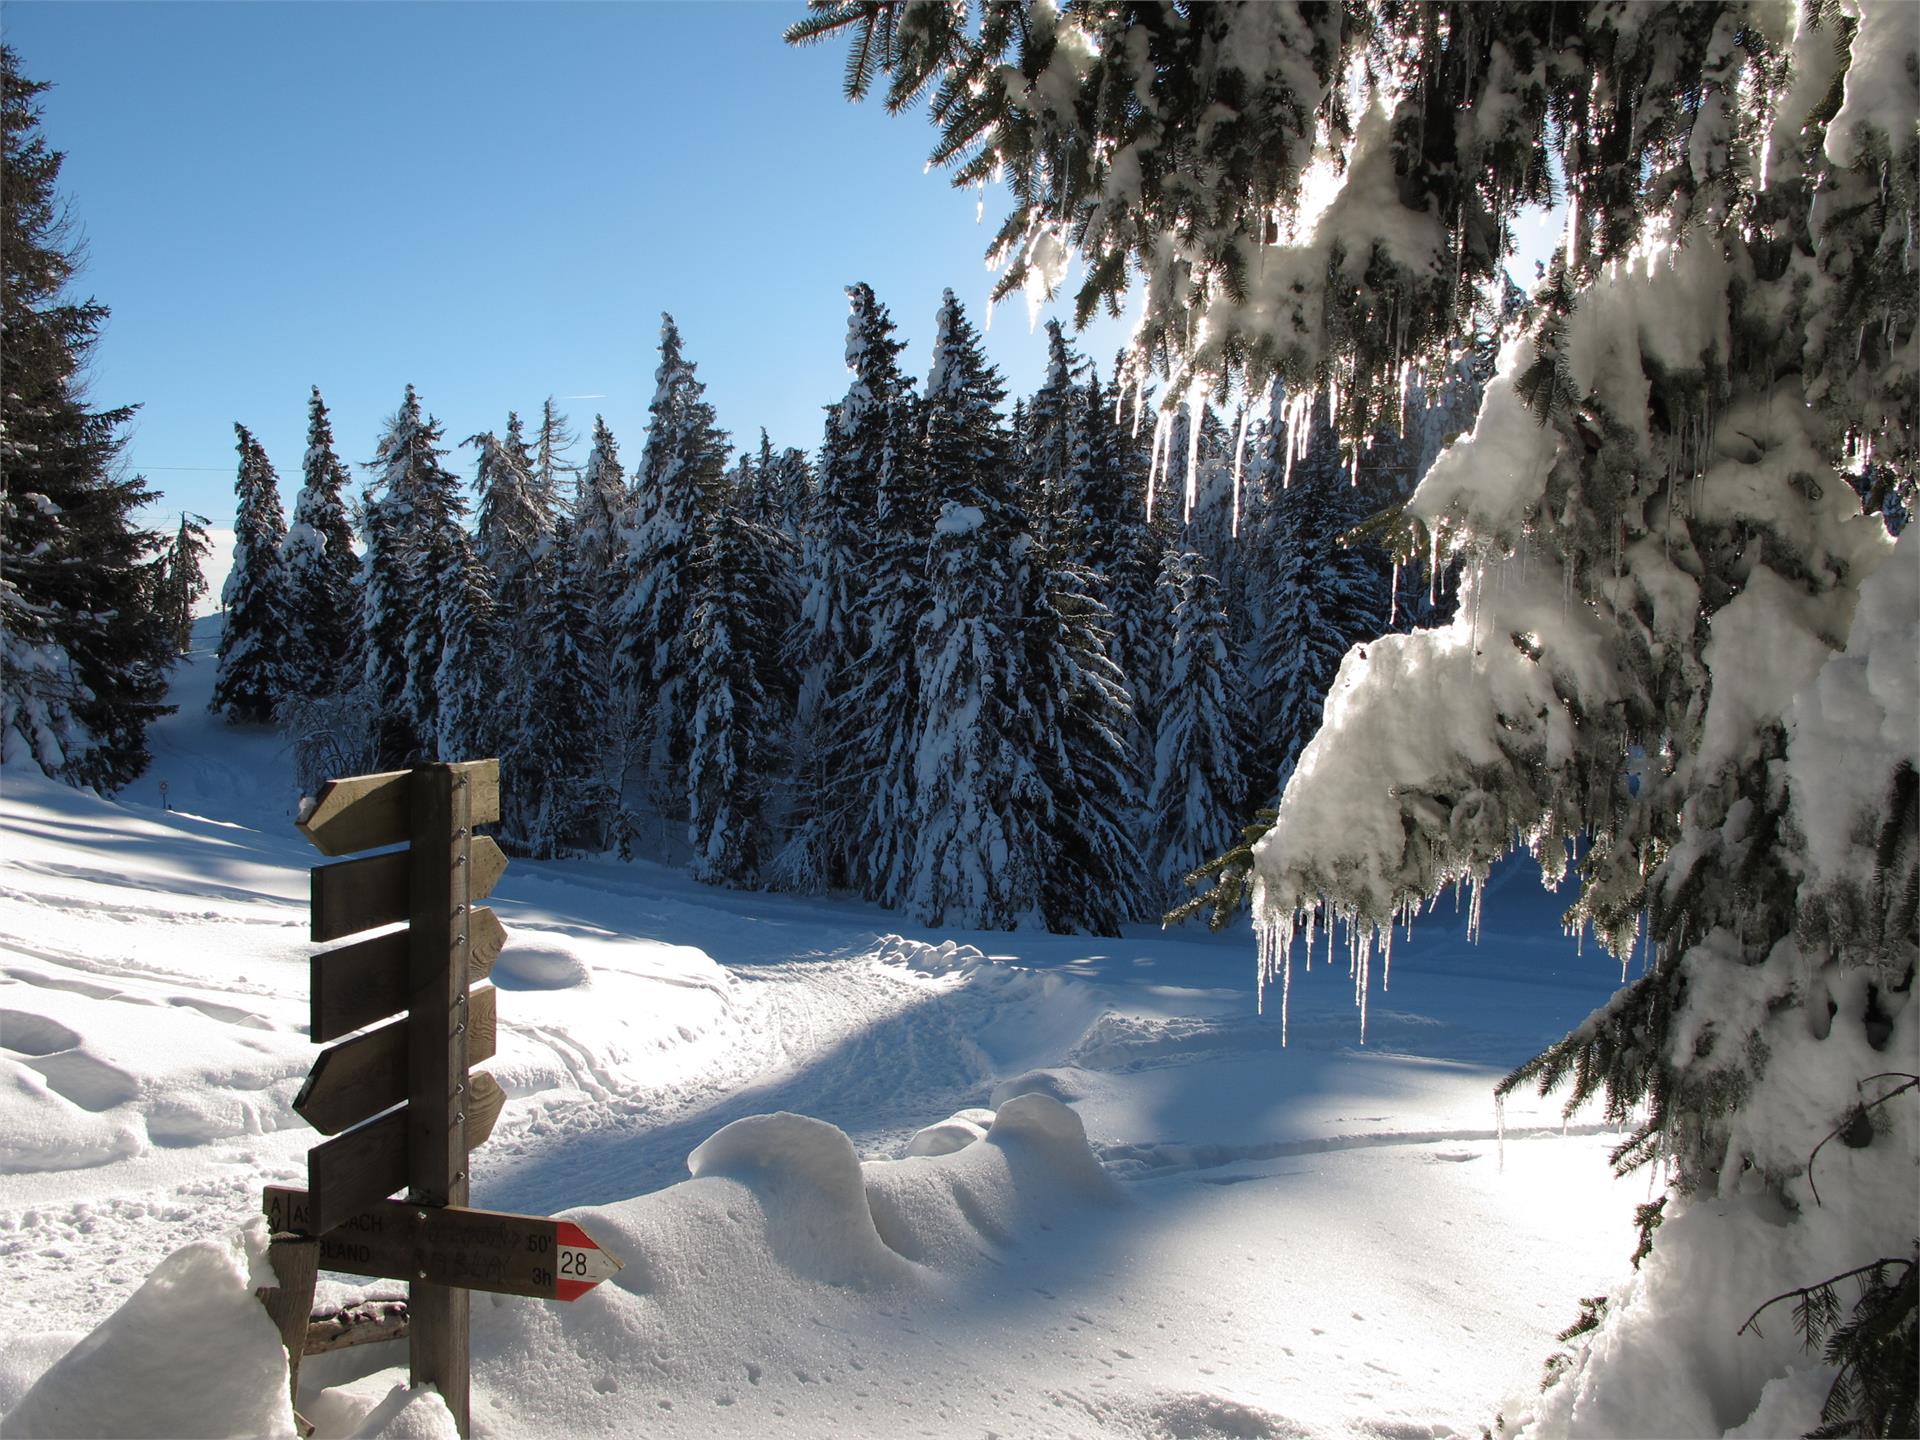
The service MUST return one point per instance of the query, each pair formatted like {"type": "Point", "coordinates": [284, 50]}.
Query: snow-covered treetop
{"type": "Point", "coordinates": [604, 474]}
{"type": "Point", "coordinates": [321, 467]}
{"type": "Point", "coordinates": [407, 468]}
{"type": "Point", "coordinates": [259, 525]}
{"type": "Point", "coordinates": [942, 376]}
{"type": "Point", "coordinates": [872, 359]}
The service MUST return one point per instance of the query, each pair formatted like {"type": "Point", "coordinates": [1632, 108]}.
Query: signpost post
{"type": "Point", "coordinates": [401, 1101]}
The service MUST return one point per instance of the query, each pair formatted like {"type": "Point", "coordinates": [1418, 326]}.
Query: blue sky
{"type": "Point", "coordinates": [493, 202]}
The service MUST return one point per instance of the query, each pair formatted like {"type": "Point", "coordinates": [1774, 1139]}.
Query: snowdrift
{"type": "Point", "coordinates": [730, 1271]}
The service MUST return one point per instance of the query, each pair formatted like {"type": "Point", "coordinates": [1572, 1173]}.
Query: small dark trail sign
{"type": "Point", "coordinates": [401, 1102]}
{"type": "Point", "coordinates": [507, 1254]}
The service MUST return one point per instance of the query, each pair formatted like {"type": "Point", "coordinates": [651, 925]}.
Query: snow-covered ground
{"type": "Point", "coordinates": [1171, 1226]}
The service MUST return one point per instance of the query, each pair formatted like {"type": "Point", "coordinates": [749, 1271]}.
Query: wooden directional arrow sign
{"type": "Point", "coordinates": [454, 1246]}
{"type": "Point", "coordinates": [358, 1078]}
{"type": "Point", "coordinates": [366, 811]}
{"type": "Point", "coordinates": [367, 981]}
{"type": "Point", "coordinates": [363, 894]}
{"type": "Point", "coordinates": [350, 1171]}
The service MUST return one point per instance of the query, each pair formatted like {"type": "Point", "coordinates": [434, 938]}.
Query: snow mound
{"type": "Point", "coordinates": [43, 1127]}
{"type": "Point", "coordinates": [946, 958]}
{"type": "Point", "coordinates": [955, 1133]}
{"type": "Point", "coordinates": [806, 1179]}
{"type": "Point", "coordinates": [191, 1352]}
{"type": "Point", "coordinates": [403, 1413]}
{"type": "Point", "coordinates": [1033, 1168]}
{"type": "Point", "coordinates": [1054, 1084]}
{"type": "Point", "coordinates": [522, 966]}
{"type": "Point", "coordinates": [1191, 1417]}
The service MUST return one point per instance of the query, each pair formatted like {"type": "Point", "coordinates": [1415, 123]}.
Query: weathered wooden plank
{"type": "Point", "coordinates": [489, 863]}
{"type": "Point", "coordinates": [486, 937]}
{"type": "Point", "coordinates": [358, 813]}
{"type": "Point", "coordinates": [441, 826]}
{"type": "Point", "coordinates": [485, 1100]}
{"type": "Point", "coordinates": [366, 1323]}
{"type": "Point", "coordinates": [453, 1246]}
{"type": "Point", "coordinates": [364, 811]}
{"type": "Point", "coordinates": [295, 1260]}
{"type": "Point", "coordinates": [349, 1172]}
{"type": "Point", "coordinates": [356, 985]}
{"type": "Point", "coordinates": [358, 1078]}
{"type": "Point", "coordinates": [354, 895]}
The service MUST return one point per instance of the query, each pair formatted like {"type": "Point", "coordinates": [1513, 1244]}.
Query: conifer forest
{"type": "Point", "coordinates": [1010, 754]}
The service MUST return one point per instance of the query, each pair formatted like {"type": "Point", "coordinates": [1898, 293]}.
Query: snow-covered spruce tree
{"type": "Point", "coordinates": [512, 533]}
{"type": "Point", "coordinates": [684, 459]}
{"type": "Point", "coordinates": [322, 570]}
{"type": "Point", "coordinates": [1048, 429]}
{"type": "Point", "coordinates": [514, 521]}
{"type": "Point", "coordinates": [600, 511]}
{"type": "Point", "coordinates": [254, 675]}
{"type": "Point", "coordinates": [833, 756]}
{"type": "Point", "coordinates": [554, 759]}
{"type": "Point", "coordinates": [551, 442]}
{"type": "Point", "coordinates": [1199, 792]}
{"type": "Point", "coordinates": [787, 485]}
{"type": "Point", "coordinates": [478, 704]}
{"type": "Point", "coordinates": [384, 589]}
{"type": "Point", "coordinates": [1109, 533]}
{"type": "Point", "coordinates": [872, 725]}
{"type": "Point", "coordinates": [83, 652]}
{"type": "Point", "coordinates": [181, 580]}
{"type": "Point", "coordinates": [413, 559]}
{"type": "Point", "coordinates": [978, 814]}
{"type": "Point", "coordinates": [1078, 725]}
{"type": "Point", "coordinates": [979, 802]}
{"type": "Point", "coordinates": [742, 607]}
{"type": "Point", "coordinates": [1662, 552]}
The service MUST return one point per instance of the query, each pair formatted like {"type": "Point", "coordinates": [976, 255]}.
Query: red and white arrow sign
{"type": "Point", "coordinates": [582, 1264]}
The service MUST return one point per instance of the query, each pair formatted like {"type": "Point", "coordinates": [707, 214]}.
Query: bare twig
{"type": "Point", "coordinates": [1912, 1082]}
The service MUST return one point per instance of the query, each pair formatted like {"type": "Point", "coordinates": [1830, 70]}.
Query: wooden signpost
{"type": "Point", "coordinates": [400, 1100]}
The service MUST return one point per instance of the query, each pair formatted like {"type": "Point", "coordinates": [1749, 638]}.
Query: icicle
{"type": "Point", "coordinates": [1363, 965]}
{"type": "Point", "coordinates": [1239, 458]}
{"type": "Point", "coordinates": [1196, 415]}
{"type": "Point", "coordinates": [1276, 957]}
{"type": "Point", "coordinates": [1295, 417]}
{"type": "Point", "coordinates": [1475, 892]}
{"type": "Point", "coordinates": [1162, 440]}
{"type": "Point", "coordinates": [1393, 599]}
{"type": "Point", "coordinates": [1386, 960]}
{"type": "Point", "coordinates": [1286, 993]}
